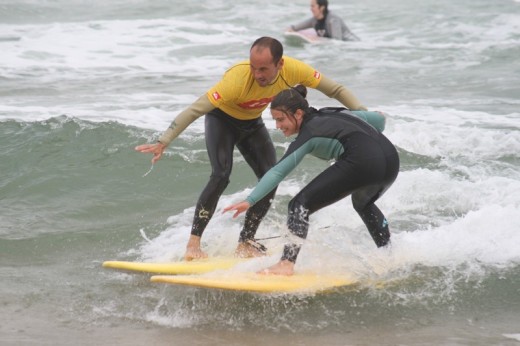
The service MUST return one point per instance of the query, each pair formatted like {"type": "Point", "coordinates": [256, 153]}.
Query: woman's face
{"type": "Point", "coordinates": [317, 11]}
{"type": "Point", "coordinates": [286, 123]}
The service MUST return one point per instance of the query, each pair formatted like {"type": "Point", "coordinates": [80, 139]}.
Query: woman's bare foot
{"type": "Point", "coordinates": [284, 267]}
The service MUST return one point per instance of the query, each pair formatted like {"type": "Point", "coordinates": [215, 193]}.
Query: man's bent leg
{"type": "Point", "coordinates": [220, 141]}
{"type": "Point", "coordinates": [258, 151]}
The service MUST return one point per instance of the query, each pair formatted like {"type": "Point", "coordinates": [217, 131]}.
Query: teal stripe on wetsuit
{"type": "Point", "coordinates": [375, 119]}
{"type": "Point", "coordinates": [323, 148]}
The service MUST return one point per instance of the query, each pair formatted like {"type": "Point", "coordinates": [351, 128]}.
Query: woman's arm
{"type": "Point", "coordinates": [307, 23]}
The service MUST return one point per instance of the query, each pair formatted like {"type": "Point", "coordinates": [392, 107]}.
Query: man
{"type": "Point", "coordinates": [233, 109]}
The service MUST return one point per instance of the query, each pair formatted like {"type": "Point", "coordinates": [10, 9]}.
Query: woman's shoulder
{"type": "Point", "coordinates": [333, 17]}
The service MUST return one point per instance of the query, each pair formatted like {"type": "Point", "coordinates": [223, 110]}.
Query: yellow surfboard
{"type": "Point", "coordinates": [181, 267]}
{"type": "Point", "coordinates": [259, 283]}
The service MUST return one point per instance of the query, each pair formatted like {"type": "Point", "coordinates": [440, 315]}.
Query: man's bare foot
{"type": "Point", "coordinates": [250, 249]}
{"type": "Point", "coordinates": [284, 267]}
{"type": "Point", "coordinates": [193, 250]}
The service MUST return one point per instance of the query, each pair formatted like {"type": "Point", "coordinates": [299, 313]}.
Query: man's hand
{"type": "Point", "coordinates": [156, 149]}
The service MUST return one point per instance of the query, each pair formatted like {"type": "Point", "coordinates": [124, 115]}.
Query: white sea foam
{"type": "Point", "coordinates": [462, 223]}
{"type": "Point", "coordinates": [513, 336]}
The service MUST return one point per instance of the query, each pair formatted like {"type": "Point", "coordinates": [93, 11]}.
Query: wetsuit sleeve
{"type": "Point", "coordinates": [308, 23]}
{"type": "Point", "coordinates": [185, 118]}
{"type": "Point", "coordinates": [376, 119]}
{"type": "Point", "coordinates": [339, 92]}
{"type": "Point", "coordinates": [275, 175]}
{"type": "Point", "coordinates": [335, 27]}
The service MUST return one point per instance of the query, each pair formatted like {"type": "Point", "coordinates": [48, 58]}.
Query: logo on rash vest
{"type": "Point", "coordinates": [216, 96]}
{"type": "Point", "coordinates": [256, 104]}
{"type": "Point", "coordinates": [317, 75]}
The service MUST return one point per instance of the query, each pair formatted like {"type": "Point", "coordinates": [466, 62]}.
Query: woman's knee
{"type": "Point", "coordinates": [298, 217]}
{"type": "Point", "coordinates": [364, 198]}
{"type": "Point", "coordinates": [358, 204]}
{"type": "Point", "coordinates": [299, 202]}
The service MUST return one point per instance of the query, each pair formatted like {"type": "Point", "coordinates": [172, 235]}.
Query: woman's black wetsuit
{"type": "Point", "coordinates": [366, 165]}
{"type": "Point", "coordinates": [223, 133]}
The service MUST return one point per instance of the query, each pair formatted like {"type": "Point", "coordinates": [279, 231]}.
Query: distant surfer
{"type": "Point", "coordinates": [233, 109]}
{"type": "Point", "coordinates": [366, 165]}
{"type": "Point", "coordinates": [325, 23]}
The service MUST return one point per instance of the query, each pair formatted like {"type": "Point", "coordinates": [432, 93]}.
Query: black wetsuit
{"type": "Point", "coordinates": [366, 165]}
{"type": "Point", "coordinates": [223, 133]}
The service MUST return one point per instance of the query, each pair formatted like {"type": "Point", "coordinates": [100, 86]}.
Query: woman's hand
{"type": "Point", "coordinates": [238, 207]}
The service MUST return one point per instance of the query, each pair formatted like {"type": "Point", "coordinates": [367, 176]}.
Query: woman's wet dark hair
{"type": "Point", "coordinates": [324, 3]}
{"type": "Point", "coordinates": [290, 100]}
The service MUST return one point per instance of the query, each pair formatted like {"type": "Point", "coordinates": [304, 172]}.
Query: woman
{"type": "Point", "coordinates": [366, 166]}
{"type": "Point", "coordinates": [325, 23]}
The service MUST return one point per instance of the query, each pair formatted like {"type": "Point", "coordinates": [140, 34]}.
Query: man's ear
{"type": "Point", "coordinates": [280, 64]}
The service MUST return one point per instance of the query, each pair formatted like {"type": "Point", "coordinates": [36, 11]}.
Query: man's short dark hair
{"type": "Point", "coordinates": [274, 46]}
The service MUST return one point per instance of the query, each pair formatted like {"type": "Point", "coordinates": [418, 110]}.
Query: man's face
{"type": "Point", "coordinates": [263, 68]}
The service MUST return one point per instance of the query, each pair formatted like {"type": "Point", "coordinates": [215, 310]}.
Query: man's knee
{"type": "Point", "coordinates": [219, 180]}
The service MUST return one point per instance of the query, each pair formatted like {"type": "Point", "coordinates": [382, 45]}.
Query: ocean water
{"type": "Point", "coordinates": [83, 82]}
